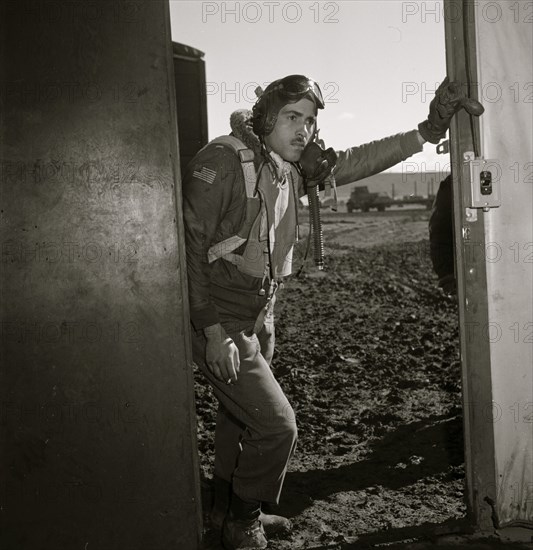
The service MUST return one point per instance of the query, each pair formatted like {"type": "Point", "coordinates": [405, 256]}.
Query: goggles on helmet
{"type": "Point", "coordinates": [296, 86]}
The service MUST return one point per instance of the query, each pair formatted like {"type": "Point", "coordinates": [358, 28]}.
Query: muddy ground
{"type": "Point", "coordinates": [368, 355]}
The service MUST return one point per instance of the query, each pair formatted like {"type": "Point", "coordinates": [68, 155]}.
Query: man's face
{"type": "Point", "coordinates": [293, 130]}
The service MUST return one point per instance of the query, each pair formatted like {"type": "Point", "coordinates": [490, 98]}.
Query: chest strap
{"type": "Point", "coordinates": [246, 158]}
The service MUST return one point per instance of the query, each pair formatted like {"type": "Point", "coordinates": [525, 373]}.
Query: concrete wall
{"type": "Point", "coordinates": [97, 422]}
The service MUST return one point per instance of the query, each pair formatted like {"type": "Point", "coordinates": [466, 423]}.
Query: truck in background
{"type": "Point", "coordinates": [362, 199]}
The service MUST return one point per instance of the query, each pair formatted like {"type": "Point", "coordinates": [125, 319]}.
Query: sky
{"type": "Point", "coordinates": [377, 62]}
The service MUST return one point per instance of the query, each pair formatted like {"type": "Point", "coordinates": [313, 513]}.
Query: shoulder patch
{"type": "Point", "coordinates": [205, 174]}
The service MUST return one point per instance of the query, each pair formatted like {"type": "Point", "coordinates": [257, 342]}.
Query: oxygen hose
{"type": "Point", "coordinates": [316, 226]}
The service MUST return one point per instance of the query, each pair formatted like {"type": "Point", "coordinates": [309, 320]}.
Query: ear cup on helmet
{"type": "Point", "coordinates": [265, 113]}
{"type": "Point", "coordinates": [258, 118]}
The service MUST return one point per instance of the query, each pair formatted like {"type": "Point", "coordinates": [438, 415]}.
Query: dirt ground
{"type": "Point", "coordinates": [368, 354]}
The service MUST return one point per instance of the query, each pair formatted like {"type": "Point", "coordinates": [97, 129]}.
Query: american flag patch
{"type": "Point", "coordinates": [205, 174]}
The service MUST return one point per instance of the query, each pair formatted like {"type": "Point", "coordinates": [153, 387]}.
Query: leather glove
{"type": "Point", "coordinates": [317, 163]}
{"type": "Point", "coordinates": [449, 99]}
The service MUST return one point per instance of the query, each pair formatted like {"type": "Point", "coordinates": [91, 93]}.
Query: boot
{"type": "Point", "coordinates": [275, 525]}
{"type": "Point", "coordinates": [242, 529]}
{"type": "Point", "coordinates": [272, 524]}
{"type": "Point", "coordinates": [222, 490]}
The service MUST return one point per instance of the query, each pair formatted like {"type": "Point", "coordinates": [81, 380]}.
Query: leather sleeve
{"type": "Point", "coordinates": [213, 185]}
{"type": "Point", "coordinates": [360, 162]}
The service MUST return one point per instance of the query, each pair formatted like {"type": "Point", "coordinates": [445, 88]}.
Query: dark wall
{"type": "Point", "coordinates": [191, 100]}
{"type": "Point", "coordinates": [97, 421]}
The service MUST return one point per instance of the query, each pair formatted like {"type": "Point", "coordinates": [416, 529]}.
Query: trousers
{"type": "Point", "coordinates": [255, 434]}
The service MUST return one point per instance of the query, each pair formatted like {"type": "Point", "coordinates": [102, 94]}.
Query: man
{"type": "Point", "coordinates": [240, 198]}
{"type": "Point", "coordinates": [441, 245]}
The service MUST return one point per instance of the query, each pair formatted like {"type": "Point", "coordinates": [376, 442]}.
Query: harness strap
{"type": "Point", "coordinates": [329, 184]}
{"type": "Point", "coordinates": [268, 307]}
{"type": "Point", "coordinates": [246, 158]}
{"type": "Point", "coordinates": [224, 249]}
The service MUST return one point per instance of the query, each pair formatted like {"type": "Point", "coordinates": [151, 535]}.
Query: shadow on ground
{"type": "Point", "coordinates": [436, 442]}
{"type": "Point", "coordinates": [409, 453]}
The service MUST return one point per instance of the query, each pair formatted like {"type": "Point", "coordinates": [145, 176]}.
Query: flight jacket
{"type": "Point", "coordinates": [214, 208]}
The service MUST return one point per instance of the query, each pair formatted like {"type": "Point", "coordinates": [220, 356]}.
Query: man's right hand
{"type": "Point", "coordinates": [221, 355]}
